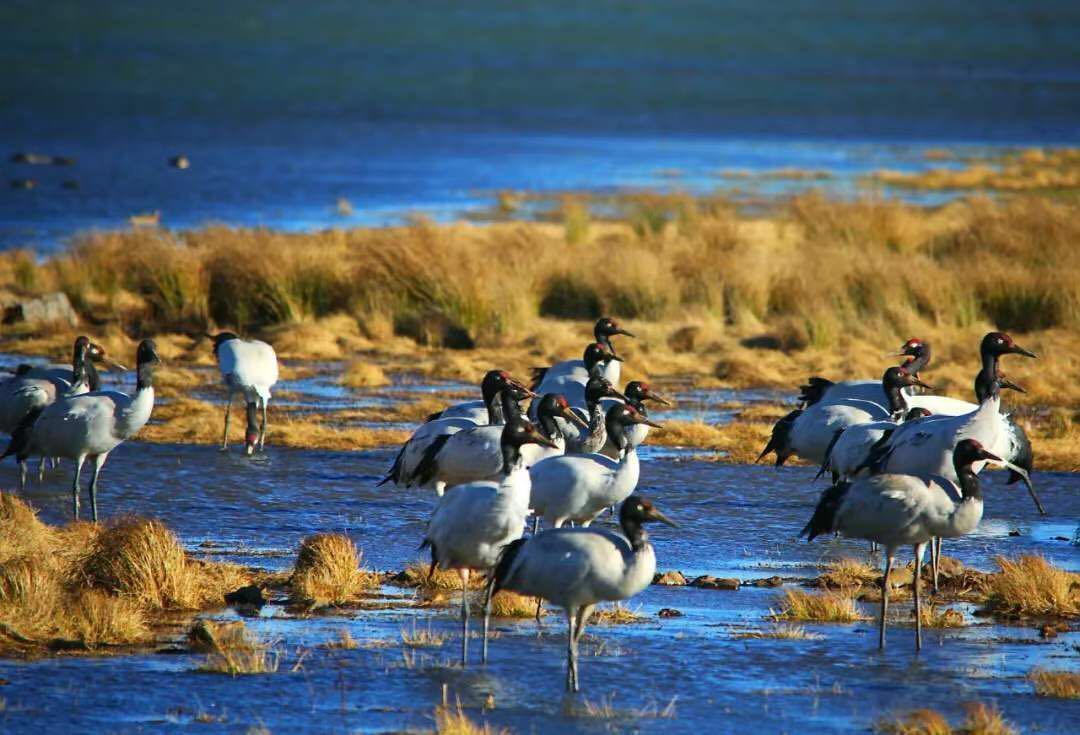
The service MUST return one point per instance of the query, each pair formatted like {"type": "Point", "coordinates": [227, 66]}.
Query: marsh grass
{"type": "Point", "coordinates": [848, 573]}
{"type": "Point", "coordinates": [780, 632]}
{"type": "Point", "coordinates": [344, 642]}
{"type": "Point", "coordinates": [442, 580]}
{"type": "Point", "coordinates": [1029, 586]}
{"type": "Point", "coordinates": [88, 586]}
{"type": "Point", "coordinates": [328, 572]}
{"type": "Point", "coordinates": [364, 374]}
{"type": "Point", "coordinates": [617, 615]}
{"type": "Point", "coordinates": [980, 719]}
{"type": "Point", "coordinates": [423, 637]}
{"type": "Point", "coordinates": [937, 616]}
{"type": "Point", "coordinates": [821, 607]}
{"type": "Point", "coordinates": [507, 604]}
{"type": "Point", "coordinates": [454, 721]}
{"type": "Point", "coordinates": [606, 709]}
{"type": "Point", "coordinates": [232, 649]}
{"type": "Point", "coordinates": [1062, 684]}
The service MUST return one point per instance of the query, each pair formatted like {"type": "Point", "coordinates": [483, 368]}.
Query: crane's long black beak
{"type": "Point", "coordinates": [1018, 350]}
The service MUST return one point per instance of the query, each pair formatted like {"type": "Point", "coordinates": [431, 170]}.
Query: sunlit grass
{"type": "Point", "coordinates": [605, 708]}
{"type": "Point", "coordinates": [780, 632]}
{"type": "Point", "coordinates": [818, 607]}
{"type": "Point", "coordinates": [1063, 684]}
{"type": "Point", "coordinates": [423, 637]}
{"type": "Point", "coordinates": [1030, 586]}
{"type": "Point", "coordinates": [980, 719]}
{"type": "Point", "coordinates": [328, 572]}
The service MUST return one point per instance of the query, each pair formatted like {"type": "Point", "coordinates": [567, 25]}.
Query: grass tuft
{"type": "Point", "coordinates": [616, 615]}
{"type": "Point", "coordinates": [344, 642]}
{"type": "Point", "coordinates": [507, 604]}
{"type": "Point", "coordinates": [821, 607]}
{"type": "Point", "coordinates": [1063, 684]}
{"type": "Point", "coordinates": [364, 374]}
{"type": "Point", "coordinates": [980, 719]}
{"type": "Point", "coordinates": [328, 572]}
{"type": "Point", "coordinates": [423, 638]}
{"type": "Point", "coordinates": [454, 721]}
{"type": "Point", "coordinates": [606, 709]}
{"type": "Point", "coordinates": [231, 649]}
{"type": "Point", "coordinates": [780, 632]}
{"type": "Point", "coordinates": [1030, 586]}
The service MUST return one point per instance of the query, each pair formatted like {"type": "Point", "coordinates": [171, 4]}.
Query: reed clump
{"type": "Point", "coordinates": [979, 719]}
{"type": "Point", "coordinates": [231, 649]}
{"type": "Point", "coordinates": [1062, 684]}
{"type": "Point", "coordinates": [849, 573]}
{"type": "Point", "coordinates": [84, 586]}
{"type": "Point", "coordinates": [454, 721]}
{"type": "Point", "coordinates": [328, 572]}
{"type": "Point", "coordinates": [821, 607]}
{"type": "Point", "coordinates": [1030, 586]}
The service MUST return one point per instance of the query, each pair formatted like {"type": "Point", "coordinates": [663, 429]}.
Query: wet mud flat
{"type": "Point", "coordinates": [702, 668]}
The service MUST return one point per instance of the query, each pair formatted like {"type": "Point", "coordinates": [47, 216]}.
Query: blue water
{"type": "Point", "coordinates": [404, 107]}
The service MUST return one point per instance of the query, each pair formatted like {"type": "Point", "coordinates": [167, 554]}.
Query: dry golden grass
{"type": "Point", "coordinates": [1033, 169]}
{"type": "Point", "coordinates": [821, 607]}
{"type": "Point", "coordinates": [616, 615]}
{"type": "Point", "coordinates": [364, 374]}
{"type": "Point", "coordinates": [231, 649]}
{"type": "Point", "coordinates": [780, 632]}
{"type": "Point", "coordinates": [443, 580]}
{"type": "Point", "coordinates": [89, 586]}
{"type": "Point", "coordinates": [606, 709]}
{"type": "Point", "coordinates": [936, 616]}
{"type": "Point", "coordinates": [344, 642]}
{"type": "Point", "coordinates": [1063, 684]}
{"type": "Point", "coordinates": [507, 604]}
{"type": "Point", "coordinates": [1030, 586]}
{"type": "Point", "coordinates": [849, 573]}
{"type": "Point", "coordinates": [423, 637]}
{"type": "Point", "coordinates": [454, 721]}
{"type": "Point", "coordinates": [980, 719]}
{"type": "Point", "coordinates": [328, 572]}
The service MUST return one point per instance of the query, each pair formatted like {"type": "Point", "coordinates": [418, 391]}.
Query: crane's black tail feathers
{"type": "Point", "coordinates": [780, 441]}
{"type": "Point", "coordinates": [536, 376]}
{"type": "Point", "coordinates": [433, 416]}
{"type": "Point", "coordinates": [824, 518]}
{"type": "Point", "coordinates": [828, 453]}
{"type": "Point", "coordinates": [394, 475]}
{"type": "Point", "coordinates": [20, 438]}
{"type": "Point", "coordinates": [814, 390]}
{"type": "Point", "coordinates": [878, 456]}
{"type": "Point", "coordinates": [428, 464]}
{"type": "Point", "coordinates": [500, 576]}
{"type": "Point", "coordinates": [1024, 457]}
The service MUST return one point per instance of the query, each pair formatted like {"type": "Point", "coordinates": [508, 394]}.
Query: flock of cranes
{"type": "Point", "coordinates": [904, 464]}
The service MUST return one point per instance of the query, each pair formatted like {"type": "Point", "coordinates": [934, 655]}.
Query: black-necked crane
{"type": "Point", "coordinates": [823, 391]}
{"type": "Point", "coordinates": [579, 487]}
{"type": "Point", "coordinates": [593, 436]}
{"type": "Point", "coordinates": [577, 568]}
{"type": "Point", "coordinates": [90, 425]}
{"type": "Point", "coordinates": [472, 523]}
{"type": "Point", "coordinates": [488, 410]}
{"type": "Point", "coordinates": [476, 454]}
{"type": "Point", "coordinates": [248, 367]}
{"type": "Point", "coordinates": [897, 510]}
{"type": "Point", "coordinates": [604, 329]}
{"type": "Point", "coordinates": [637, 392]}
{"type": "Point", "coordinates": [594, 363]}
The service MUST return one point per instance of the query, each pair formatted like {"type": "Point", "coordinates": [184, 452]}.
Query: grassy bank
{"type": "Point", "coordinates": [717, 298]}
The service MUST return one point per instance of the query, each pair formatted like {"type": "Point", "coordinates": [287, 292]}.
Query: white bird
{"type": "Point", "coordinates": [851, 446]}
{"type": "Point", "coordinates": [250, 367]}
{"type": "Point", "coordinates": [476, 454]}
{"type": "Point", "coordinates": [572, 381]}
{"type": "Point", "coordinates": [905, 510]}
{"type": "Point", "coordinates": [576, 568]}
{"type": "Point", "coordinates": [579, 487]}
{"type": "Point", "coordinates": [90, 425]}
{"type": "Point", "coordinates": [636, 393]}
{"type": "Point", "coordinates": [473, 522]}
{"type": "Point", "coordinates": [604, 329]}
{"type": "Point", "coordinates": [821, 390]}
{"type": "Point", "coordinates": [593, 437]}
{"type": "Point", "coordinates": [430, 437]}
{"type": "Point", "coordinates": [489, 409]}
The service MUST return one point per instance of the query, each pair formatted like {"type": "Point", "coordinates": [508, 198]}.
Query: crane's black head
{"type": "Point", "coordinates": [916, 413]}
{"type": "Point", "coordinates": [639, 390]}
{"type": "Point", "coordinates": [146, 353]}
{"type": "Point", "coordinates": [968, 451]}
{"type": "Point", "coordinates": [635, 511]}
{"type": "Point", "coordinates": [221, 338]}
{"type": "Point", "coordinates": [898, 377]}
{"type": "Point", "coordinates": [520, 431]}
{"type": "Point", "coordinates": [600, 387]}
{"type": "Point", "coordinates": [998, 343]}
{"type": "Point", "coordinates": [607, 327]}
{"type": "Point", "coordinates": [619, 418]}
{"type": "Point", "coordinates": [597, 353]}
{"type": "Point", "coordinates": [82, 345]}
{"type": "Point", "coordinates": [555, 405]}
{"type": "Point", "coordinates": [913, 347]}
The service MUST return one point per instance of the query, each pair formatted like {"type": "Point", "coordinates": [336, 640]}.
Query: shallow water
{"type": "Point", "coordinates": [257, 511]}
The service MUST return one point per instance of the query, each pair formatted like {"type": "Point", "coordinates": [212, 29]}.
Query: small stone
{"type": "Point", "coordinates": [673, 578]}
{"type": "Point", "coordinates": [1048, 631]}
{"type": "Point", "coordinates": [1014, 532]}
{"type": "Point", "coordinates": [249, 595]}
{"type": "Point", "coordinates": [669, 612]}
{"type": "Point", "coordinates": [773, 581]}
{"type": "Point", "coordinates": [708, 582]}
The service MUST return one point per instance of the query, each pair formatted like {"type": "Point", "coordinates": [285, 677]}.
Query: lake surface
{"type": "Point", "coordinates": [737, 521]}
{"type": "Point", "coordinates": [400, 107]}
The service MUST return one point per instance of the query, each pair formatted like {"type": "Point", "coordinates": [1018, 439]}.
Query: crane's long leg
{"type": "Point", "coordinates": [918, 602]}
{"type": "Point", "coordinates": [75, 485]}
{"type": "Point", "coordinates": [22, 475]}
{"type": "Point", "coordinates": [935, 557]}
{"type": "Point", "coordinates": [571, 652]}
{"type": "Point", "coordinates": [885, 596]}
{"type": "Point", "coordinates": [228, 411]}
{"type": "Point", "coordinates": [487, 616]}
{"type": "Point", "coordinates": [464, 574]}
{"type": "Point", "coordinates": [41, 471]}
{"type": "Point", "coordinates": [579, 629]}
{"type": "Point", "coordinates": [99, 462]}
{"type": "Point", "coordinates": [262, 427]}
